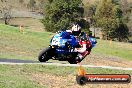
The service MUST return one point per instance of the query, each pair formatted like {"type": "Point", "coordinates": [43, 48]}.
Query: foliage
{"type": "Point", "coordinates": [89, 9]}
{"type": "Point", "coordinates": [32, 4]}
{"type": "Point", "coordinates": [21, 1]}
{"type": "Point", "coordinates": [127, 14]}
{"type": "Point", "coordinates": [122, 33]}
{"type": "Point", "coordinates": [108, 16]}
{"type": "Point", "coordinates": [41, 6]}
{"type": "Point", "coordinates": [5, 10]}
{"type": "Point", "coordinates": [60, 14]}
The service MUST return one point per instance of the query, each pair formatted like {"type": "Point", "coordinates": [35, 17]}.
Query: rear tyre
{"type": "Point", "coordinates": [75, 60]}
{"type": "Point", "coordinates": [44, 55]}
{"type": "Point", "coordinates": [72, 61]}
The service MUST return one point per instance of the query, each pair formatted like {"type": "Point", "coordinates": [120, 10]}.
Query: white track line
{"type": "Point", "coordinates": [65, 65]}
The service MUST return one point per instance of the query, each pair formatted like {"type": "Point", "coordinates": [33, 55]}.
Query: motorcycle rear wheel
{"type": "Point", "coordinates": [72, 61]}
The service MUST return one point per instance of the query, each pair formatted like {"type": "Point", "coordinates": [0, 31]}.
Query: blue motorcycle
{"type": "Point", "coordinates": [61, 48]}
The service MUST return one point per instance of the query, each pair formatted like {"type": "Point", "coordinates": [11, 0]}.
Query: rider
{"type": "Point", "coordinates": [83, 41]}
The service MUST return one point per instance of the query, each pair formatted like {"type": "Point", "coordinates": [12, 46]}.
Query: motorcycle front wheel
{"type": "Point", "coordinates": [44, 55]}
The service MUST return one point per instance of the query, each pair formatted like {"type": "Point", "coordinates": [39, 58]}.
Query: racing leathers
{"type": "Point", "coordinates": [84, 50]}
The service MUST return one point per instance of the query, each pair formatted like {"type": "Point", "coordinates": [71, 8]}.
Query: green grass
{"type": "Point", "coordinates": [55, 70]}
{"type": "Point", "coordinates": [16, 45]}
{"type": "Point", "coordinates": [117, 49]}
{"type": "Point", "coordinates": [28, 23]}
{"type": "Point", "coordinates": [13, 77]}
{"type": "Point", "coordinates": [20, 76]}
{"type": "Point", "coordinates": [27, 45]}
{"type": "Point", "coordinates": [130, 38]}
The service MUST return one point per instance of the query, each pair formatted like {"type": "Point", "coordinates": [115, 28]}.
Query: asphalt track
{"type": "Point", "coordinates": [22, 62]}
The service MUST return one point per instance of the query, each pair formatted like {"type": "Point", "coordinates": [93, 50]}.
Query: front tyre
{"type": "Point", "coordinates": [44, 55]}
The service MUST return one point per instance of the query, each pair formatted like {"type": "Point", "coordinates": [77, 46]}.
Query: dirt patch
{"type": "Point", "coordinates": [99, 60]}
{"type": "Point", "coordinates": [69, 81]}
{"type": "Point", "coordinates": [52, 81]}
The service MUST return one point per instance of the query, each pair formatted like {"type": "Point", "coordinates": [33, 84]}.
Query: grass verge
{"type": "Point", "coordinates": [21, 76]}
{"type": "Point", "coordinates": [117, 49]}
{"type": "Point", "coordinates": [17, 45]}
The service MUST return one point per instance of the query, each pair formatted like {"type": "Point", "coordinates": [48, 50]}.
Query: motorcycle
{"type": "Point", "coordinates": [62, 47]}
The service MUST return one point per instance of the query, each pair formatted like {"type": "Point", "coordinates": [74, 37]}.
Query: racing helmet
{"type": "Point", "coordinates": [76, 29]}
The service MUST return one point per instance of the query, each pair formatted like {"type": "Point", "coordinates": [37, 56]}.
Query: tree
{"type": "Point", "coordinates": [105, 17]}
{"type": "Point", "coordinates": [41, 6]}
{"type": "Point", "coordinates": [89, 9]}
{"type": "Point", "coordinates": [127, 14]}
{"type": "Point", "coordinates": [124, 5]}
{"type": "Point", "coordinates": [60, 14]}
{"type": "Point", "coordinates": [5, 9]}
{"type": "Point", "coordinates": [21, 1]}
{"type": "Point", "coordinates": [108, 16]}
{"type": "Point", "coordinates": [32, 4]}
{"type": "Point", "coordinates": [122, 32]}
{"type": "Point", "coordinates": [89, 12]}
